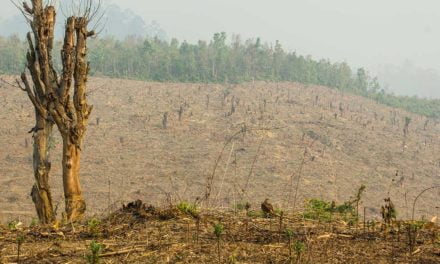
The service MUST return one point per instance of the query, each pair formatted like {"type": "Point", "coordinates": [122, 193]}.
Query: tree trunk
{"type": "Point", "coordinates": [41, 195]}
{"type": "Point", "coordinates": [51, 97]}
{"type": "Point", "coordinates": [75, 204]}
{"type": "Point", "coordinates": [73, 129]}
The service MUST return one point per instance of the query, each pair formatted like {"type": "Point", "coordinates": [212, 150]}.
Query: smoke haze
{"type": "Point", "coordinates": [382, 36]}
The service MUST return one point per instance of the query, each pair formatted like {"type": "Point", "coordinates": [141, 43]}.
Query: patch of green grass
{"type": "Point", "coordinates": [242, 206]}
{"type": "Point", "coordinates": [218, 230]}
{"type": "Point", "coordinates": [14, 225]}
{"type": "Point", "coordinates": [94, 251]}
{"type": "Point", "coordinates": [189, 208]}
{"type": "Point", "coordinates": [278, 211]}
{"type": "Point", "coordinates": [93, 226]}
{"type": "Point", "coordinates": [255, 213]}
{"type": "Point", "coordinates": [321, 210]}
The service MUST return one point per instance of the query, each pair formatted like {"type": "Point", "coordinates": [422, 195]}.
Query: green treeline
{"type": "Point", "coordinates": [219, 61]}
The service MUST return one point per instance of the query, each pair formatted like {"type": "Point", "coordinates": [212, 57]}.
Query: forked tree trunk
{"type": "Point", "coordinates": [41, 194]}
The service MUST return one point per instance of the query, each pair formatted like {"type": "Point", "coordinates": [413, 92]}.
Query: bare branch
{"type": "Point", "coordinates": [11, 84]}
{"type": "Point", "coordinates": [27, 8]}
{"type": "Point", "coordinates": [67, 55]}
{"type": "Point", "coordinates": [31, 95]}
{"type": "Point", "coordinates": [418, 196]}
{"type": "Point", "coordinates": [22, 11]}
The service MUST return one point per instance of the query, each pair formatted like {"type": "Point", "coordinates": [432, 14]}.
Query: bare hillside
{"type": "Point", "coordinates": [333, 142]}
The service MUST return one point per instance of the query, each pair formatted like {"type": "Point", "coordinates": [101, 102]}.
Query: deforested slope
{"type": "Point", "coordinates": [268, 138]}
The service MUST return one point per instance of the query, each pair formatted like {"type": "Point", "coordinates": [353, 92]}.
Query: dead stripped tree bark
{"type": "Point", "coordinates": [52, 96]}
{"type": "Point", "coordinates": [40, 66]}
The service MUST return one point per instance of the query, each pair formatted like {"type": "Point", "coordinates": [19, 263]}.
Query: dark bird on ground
{"type": "Point", "coordinates": [267, 208]}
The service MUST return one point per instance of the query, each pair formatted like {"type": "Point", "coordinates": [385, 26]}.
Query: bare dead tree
{"type": "Point", "coordinates": [426, 124]}
{"type": "Point", "coordinates": [405, 132]}
{"type": "Point", "coordinates": [406, 127]}
{"type": "Point", "coordinates": [207, 102]}
{"type": "Point", "coordinates": [54, 102]}
{"type": "Point", "coordinates": [299, 173]}
{"type": "Point", "coordinates": [41, 132]}
{"type": "Point", "coordinates": [165, 120]}
{"type": "Point", "coordinates": [180, 112]}
{"type": "Point", "coordinates": [39, 63]}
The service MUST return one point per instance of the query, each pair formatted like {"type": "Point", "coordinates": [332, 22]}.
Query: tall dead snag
{"type": "Point", "coordinates": [72, 116]}
{"type": "Point", "coordinates": [69, 113]}
{"type": "Point", "coordinates": [40, 66]}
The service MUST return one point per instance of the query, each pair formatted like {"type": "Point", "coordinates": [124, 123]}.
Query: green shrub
{"type": "Point", "coordinates": [189, 208]}
{"type": "Point", "coordinates": [93, 226]}
{"type": "Point", "coordinates": [321, 210]}
{"type": "Point", "coordinates": [242, 206]}
{"type": "Point", "coordinates": [255, 213]}
{"type": "Point", "coordinates": [95, 249]}
{"type": "Point", "coordinates": [218, 230]}
{"type": "Point", "coordinates": [14, 225]}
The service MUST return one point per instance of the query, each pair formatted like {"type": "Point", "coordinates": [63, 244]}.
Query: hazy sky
{"type": "Point", "coordinates": [362, 32]}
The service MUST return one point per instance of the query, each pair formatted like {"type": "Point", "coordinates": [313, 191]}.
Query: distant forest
{"type": "Point", "coordinates": [219, 61]}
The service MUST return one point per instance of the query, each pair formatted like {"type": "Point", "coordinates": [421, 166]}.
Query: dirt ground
{"type": "Point", "coordinates": [167, 235]}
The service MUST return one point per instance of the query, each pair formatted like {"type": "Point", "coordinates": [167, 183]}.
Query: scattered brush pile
{"type": "Point", "coordinates": [185, 233]}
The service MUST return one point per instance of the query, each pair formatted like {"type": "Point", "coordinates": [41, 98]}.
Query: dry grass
{"type": "Point", "coordinates": [166, 235]}
{"type": "Point", "coordinates": [130, 156]}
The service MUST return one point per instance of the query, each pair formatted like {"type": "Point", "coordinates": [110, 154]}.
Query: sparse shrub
{"type": "Point", "coordinates": [93, 226]}
{"type": "Point", "coordinates": [412, 230]}
{"type": "Point", "coordinates": [218, 231]}
{"type": "Point", "coordinates": [189, 208]}
{"type": "Point", "coordinates": [358, 198]}
{"type": "Point", "coordinates": [278, 211]}
{"type": "Point", "coordinates": [299, 247]}
{"type": "Point", "coordinates": [94, 251]}
{"type": "Point", "coordinates": [318, 210]}
{"type": "Point", "coordinates": [255, 213]}
{"type": "Point", "coordinates": [242, 206]}
{"type": "Point", "coordinates": [388, 211]}
{"type": "Point", "coordinates": [14, 225]}
{"type": "Point", "coordinates": [289, 234]}
{"type": "Point", "coordinates": [321, 210]}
